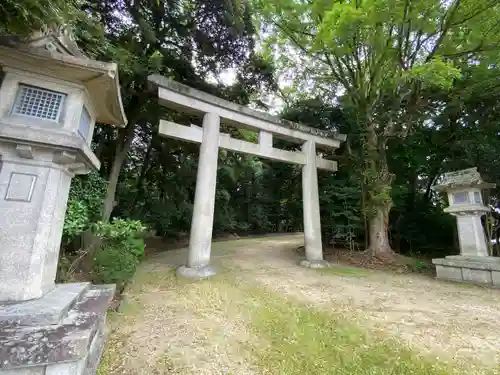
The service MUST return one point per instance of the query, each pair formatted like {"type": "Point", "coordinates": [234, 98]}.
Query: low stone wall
{"type": "Point", "coordinates": [475, 270]}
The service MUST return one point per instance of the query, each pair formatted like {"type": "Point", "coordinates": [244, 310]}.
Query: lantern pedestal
{"type": "Point", "coordinates": [483, 270]}
{"type": "Point", "coordinates": [61, 333]}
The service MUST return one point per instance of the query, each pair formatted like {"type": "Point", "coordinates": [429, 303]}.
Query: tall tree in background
{"type": "Point", "coordinates": [23, 17]}
{"type": "Point", "coordinates": [189, 41]}
{"type": "Point", "coordinates": [386, 58]}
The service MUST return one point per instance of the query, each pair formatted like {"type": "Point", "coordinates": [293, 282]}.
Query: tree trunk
{"type": "Point", "coordinates": [379, 232]}
{"type": "Point", "coordinates": [378, 181]}
{"type": "Point", "coordinates": [144, 170]}
{"type": "Point", "coordinates": [123, 144]}
{"type": "Point", "coordinates": [428, 190]}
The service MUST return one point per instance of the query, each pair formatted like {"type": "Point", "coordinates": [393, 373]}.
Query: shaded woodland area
{"type": "Point", "coordinates": [415, 85]}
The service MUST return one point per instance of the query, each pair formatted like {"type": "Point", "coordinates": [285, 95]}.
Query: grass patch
{"type": "Point", "coordinates": [340, 270]}
{"type": "Point", "coordinates": [164, 365]}
{"type": "Point", "coordinates": [294, 339]}
{"type": "Point", "coordinates": [104, 364]}
{"type": "Point", "coordinates": [145, 278]}
{"type": "Point", "coordinates": [306, 341]}
{"type": "Point", "coordinates": [111, 356]}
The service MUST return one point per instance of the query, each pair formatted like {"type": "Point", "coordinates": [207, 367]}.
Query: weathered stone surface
{"type": "Point", "coordinates": [87, 365]}
{"type": "Point", "coordinates": [195, 273]}
{"type": "Point", "coordinates": [469, 269]}
{"type": "Point", "coordinates": [50, 309]}
{"type": "Point", "coordinates": [48, 54]}
{"type": "Point", "coordinates": [462, 178]}
{"type": "Point", "coordinates": [194, 96]}
{"type": "Point", "coordinates": [200, 238]}
{"type": "Point", "coordinates": [67, 341]}
{"type": "Point", "coordinates": [493, 262]}
{"type": "Point", "coordinates": [95, 351]}
{"type": "Point", "coordinates": [66, 368]}
{"type": "Point", "coordinates": [495, 278]}
{"type": "Point", "coordinates": [471, 235]}
{"type": "Point", "coordinates": [34, 186]}
{"type": "Point", "coordinates": [63, 140]}
{"type": "Point", "coordinates": [314, 263]}
{"type": "Point", "coordinates": [478, 263]}
{"type": "Point", "coordinates": [31, 226]}
{"type": "Point", "coordinates": [449, 273]}
{"type": "Point", "coordinates": [24, 371]}
{"type": "Point", "coordinates": [476, 276]}
{"type": "Point", "coordinates": [310, 206]}
{"type": "Point", "coordinates": [465, 203]}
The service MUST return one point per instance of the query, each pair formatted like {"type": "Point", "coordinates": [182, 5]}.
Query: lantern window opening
{"type": "Point", "coordinates": [40, 103]}
{"type": "Point", "coordinates": [460, 197]}
{"type": "Point", "coordinates": [477, 198]}
{"type": "Point", "coordinates": [84, 124]}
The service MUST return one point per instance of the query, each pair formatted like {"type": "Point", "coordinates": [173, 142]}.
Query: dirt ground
{"type": "Point", "coordinates": [453, 322]}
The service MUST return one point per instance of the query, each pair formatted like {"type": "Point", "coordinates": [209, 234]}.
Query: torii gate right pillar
{"type": "Point", "coordinates": [310, 200]}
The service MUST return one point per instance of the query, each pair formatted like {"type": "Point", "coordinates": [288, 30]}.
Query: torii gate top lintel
{"type": "Point", "coordinates": [196, 101]}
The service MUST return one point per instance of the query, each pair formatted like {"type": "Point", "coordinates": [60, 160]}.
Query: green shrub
{"type": "Point", "coordinates": [84, 205]}
{"type": "Point", "coordinates": [421, 266]}
{"type": "Point", "coordinates": [120, 253]}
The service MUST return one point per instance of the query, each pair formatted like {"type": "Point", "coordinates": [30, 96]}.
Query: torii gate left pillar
{"type": "Point", "coordinates": [200, 238]}
{"type": "Point", "coordinates": [213, 109]}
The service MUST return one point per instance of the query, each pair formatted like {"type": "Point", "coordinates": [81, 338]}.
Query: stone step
{"type": "Point", "coordinates": [70, 340]}
{"type": "Point", "coordinates": [50, 309]}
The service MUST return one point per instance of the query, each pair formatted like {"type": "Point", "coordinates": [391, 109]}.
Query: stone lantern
{"type": "Point", "coordinates": [51, 96]}
{"type": "Point", "coordinates": [464, 190]}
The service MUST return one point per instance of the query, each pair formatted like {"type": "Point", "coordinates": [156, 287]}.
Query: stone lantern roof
{"type": "Point", "coordinates": [465, 178]}
{"type": "Point", "coordinates": [53, 53]}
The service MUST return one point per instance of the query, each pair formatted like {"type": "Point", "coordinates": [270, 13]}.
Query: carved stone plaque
{"type": "Point", "coordinates": [21, 186]}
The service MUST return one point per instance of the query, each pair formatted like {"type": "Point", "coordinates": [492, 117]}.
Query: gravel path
{"type": "Point", "coordinates": [455, 321]}
{"type": "Point", "coordinates": [445, 320]}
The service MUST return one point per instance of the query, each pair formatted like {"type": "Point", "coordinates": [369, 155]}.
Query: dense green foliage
{"type": "Point", "coordinates": [111, 251]}
{"type": "Point", "coordinates": [122, 249]}
{"type": "Point", "coordinates": [84, 205]}
{"type": "Point", "coordinates": [22, 17]}
{"type": "Point", "coordinates": [414, 84]}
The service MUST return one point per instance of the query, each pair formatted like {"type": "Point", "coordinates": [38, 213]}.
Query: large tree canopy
{"type": "Point", "coordinates": [390, 61]}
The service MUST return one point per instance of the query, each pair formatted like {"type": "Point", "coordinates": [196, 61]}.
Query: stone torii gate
{"type": "Point", "coordinates": [214, 111]}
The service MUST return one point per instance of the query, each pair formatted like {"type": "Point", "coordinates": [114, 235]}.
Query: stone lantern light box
{"type": "Point", "coordinates": [51, 97]}
{"type": "Point", "coordinates": [30, 100]}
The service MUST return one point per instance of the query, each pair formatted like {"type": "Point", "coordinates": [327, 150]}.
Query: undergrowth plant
{"type": "Point", "coordinates": [120, 253]}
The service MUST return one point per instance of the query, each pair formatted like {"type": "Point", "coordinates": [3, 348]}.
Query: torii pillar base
{"type": "Point", "coordinates": [195, 272]}
{"type": "Point", "coordinates": [314, 263]}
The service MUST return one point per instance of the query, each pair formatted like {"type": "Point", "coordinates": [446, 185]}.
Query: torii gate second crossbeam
{"type": "Point", "coordinates": [214, 111]}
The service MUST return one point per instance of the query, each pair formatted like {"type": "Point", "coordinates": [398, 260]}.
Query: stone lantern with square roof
{"type": "Point", "coordinates": [51, 96]}
{"type": "Point", "coordinates": [464, 190]}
